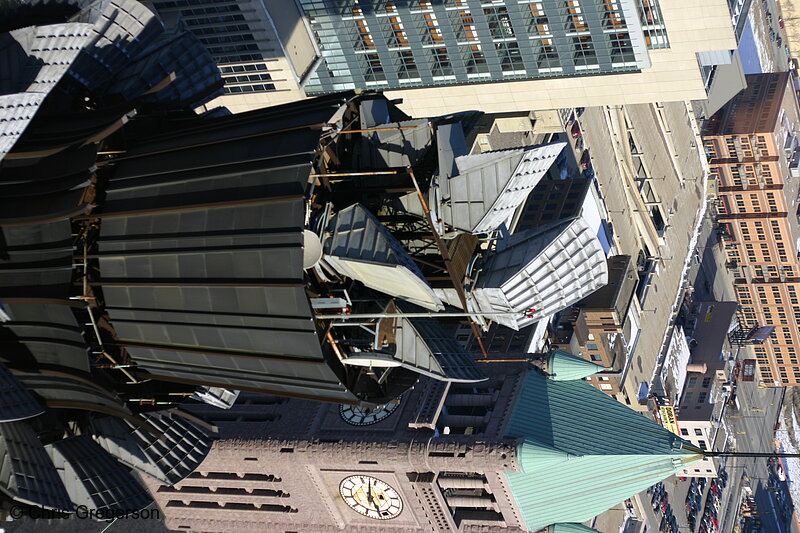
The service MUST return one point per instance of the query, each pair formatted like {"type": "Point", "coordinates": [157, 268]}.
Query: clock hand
{"type": "Point", "coordinates": [370, 499]}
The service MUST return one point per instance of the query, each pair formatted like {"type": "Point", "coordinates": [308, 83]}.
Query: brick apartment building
{"type": "Point", "coordinates": [596, 328]}
{"type": "Point", "coordinates": [751, 145]}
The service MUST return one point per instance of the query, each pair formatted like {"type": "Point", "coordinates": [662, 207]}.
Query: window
{"type": "Point", "coordinates": [546, 55]}
{"type": "Point", "coordinates": [510, 57]}
{"type": "Point", "coordinates": [703, 445]}
{"type": "Point", "coordinates": [706, 382]}
{"type": "Point", "coordinates": [474, 60]}
{"type": "Point", "coordinates": [591, 346]}
{"type": "Point", "coordinates": [538, 25]}
{"type": "Point", "coordinates": [595, 357]}
{"type": "Point", "coordinates": [698, 432]}
{"type": "Point", "coordinates": [605, 386]}
{"type": "Point", "coordinates": [441, 62]}
{"type": "Point", "coordinates": [684, 432]}
{"type": "Point", "coordinates": [499, 22]}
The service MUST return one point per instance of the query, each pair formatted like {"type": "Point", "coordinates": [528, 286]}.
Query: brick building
{"type": "Point", "coordinates": [751, 148]}
{"type": "Point", "coordinates": [518, 452]}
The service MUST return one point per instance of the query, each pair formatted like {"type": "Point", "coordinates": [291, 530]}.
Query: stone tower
{"type": "Point", "coordinates": [445, 457]}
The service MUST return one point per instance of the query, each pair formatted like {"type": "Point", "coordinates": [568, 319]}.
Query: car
{"type": "Point", "coordinates": [771, 35]}
{"type": "Point", "coordinates": [575, 131]}
{"type": "Point", "coordinates": [780, 22]}
{"type": "Point", "coordinates": [586, 160]}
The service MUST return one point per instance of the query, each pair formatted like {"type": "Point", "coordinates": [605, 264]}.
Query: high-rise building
{"type": "Point", "coordinates": [264, 49]}
{"type": "Point", "coordinates": [518, 452]}
{"type": "Point", "coordinates": [452, 55]}
{"type": "Point", "coordinates": [751, 145]}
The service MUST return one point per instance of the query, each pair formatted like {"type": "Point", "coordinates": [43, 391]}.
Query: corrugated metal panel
{"type": "Point", "coordinates": [572, 528]}
{"type": "Point", "coordinates": [373, 112]}
{"type": "Point", "coordinates": [171, 454]}
{"type": "Point", "coordinates": [226, 306]}
{"type": "Point", "coordinates": [26, 472]}
{"type": "Point", "coordinates": [16, 401]}
{"type": "Point", "coordinates": [116, 438]}
{"type": "Point", "coordinates": [450, 143]}
{"type": "Point", "coordinates": [422, 346]}
{"type": "Point", "coordinates": [123, 29]}
{"type": "Point", "coordinates": [63, 388]}
{"type": "Point", "coordinates": [49, 333]}
{"type": "Point", "coordinates": [488, 188]}
{"type": "Point", "coordinates": [197, 80]}
{"type": "Point", "coordinates": [33, 61]}
{"type": "Point", "coordinates": [293, 377]}
{"type": "Point", "coordinates": [563, 366]}
{"type": "Point", "coordinates": [358, 246]}
{"type": "Point", "coordinates": [178, 448]}
{"type": "Point", "coordinates": [281, 122]}
{"type": "Point", "coordinates": [94, 479]}
{"type": "Point", "coordinates": [608, 452]}
{"type": "Point", "coordinates": [394, 147]}
{"type": "Point", "coordinates": [547, 269]}
{"type": "Point", "coordinates": [456, 363]}
{"type": "Point", "coordinates": [37, 255]}
{"type": "Point", "coordinates": [16, 112]}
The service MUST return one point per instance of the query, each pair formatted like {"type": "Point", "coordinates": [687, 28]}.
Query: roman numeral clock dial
{"type": "Point", "coordinates": [371, 497]}
{"type": "Point", "coordinates": [365, 416]}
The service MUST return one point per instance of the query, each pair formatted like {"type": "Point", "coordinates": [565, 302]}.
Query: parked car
{"type": "Point", "coordinates": [586, 160]}
{"type": "Point", "coordinates": [780, 22]}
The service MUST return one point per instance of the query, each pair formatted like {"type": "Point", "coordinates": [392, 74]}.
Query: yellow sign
{"type": "Point", "coordinates": [668, 418]}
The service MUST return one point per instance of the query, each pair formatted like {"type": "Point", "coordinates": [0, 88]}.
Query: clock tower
{"type": "Point", "coordinates": [446, 457]}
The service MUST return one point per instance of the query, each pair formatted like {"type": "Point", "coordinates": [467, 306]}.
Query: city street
{"type": "Point", "coordinates": [751, 426]}
{"type": "Point", "coordinates": [650, 174]}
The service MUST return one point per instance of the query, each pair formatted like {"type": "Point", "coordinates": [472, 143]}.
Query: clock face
{"type": "Point", "coordinates": [364, 416]}
{"type": "Point", "coordinates": [371, 497]}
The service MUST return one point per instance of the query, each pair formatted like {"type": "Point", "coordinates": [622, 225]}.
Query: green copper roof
{"type": "Point", "coordinates": [581, 452]}
{"type": "Point", "coordinates": [572, 528]}
{"type": "Point", "coordinates": [564, 366]}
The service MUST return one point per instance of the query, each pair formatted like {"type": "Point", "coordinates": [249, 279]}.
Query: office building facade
{"type": "Point", "coordinates": [454, 55]}
{"type": "Point", "coordinates": [505, 56]}
{"type": "Point", "coordinates": [264, 49]}
{"type": "Point", "coordinates": [396, 45]}
{"type": "Point", "coordinates": [751, 147]}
